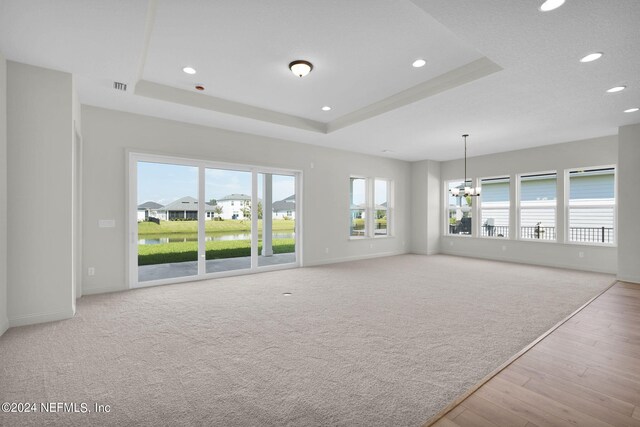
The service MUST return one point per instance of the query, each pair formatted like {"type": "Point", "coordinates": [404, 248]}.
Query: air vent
{"type": "Point", "coordinates": [120, 86]}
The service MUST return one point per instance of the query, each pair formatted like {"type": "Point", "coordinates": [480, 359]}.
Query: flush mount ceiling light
{"type": "Point", "coordinates": [468, 191]}
{"type": "Point", "coordinates": [300, 67]}
{"type": "Point", "coordinates": [189, 70]}
{"type": "Point", "coordinates": [419, 63]}
{"type": "Point", "coordinates": [326, 108]}
{"type": "Point", "coordinates": [616, 89]}
{"type": "Point", "coordinates": [551, 5]}
{"type": "Point", "coordinates": [631, 110]}
{"type": "Point", "coordinates": [592, 57]}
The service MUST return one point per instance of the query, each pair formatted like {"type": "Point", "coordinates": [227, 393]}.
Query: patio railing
{"type": "Point", "coordinates": [576, 234]}
{"type": "Point", "coordinates": [595, 234]}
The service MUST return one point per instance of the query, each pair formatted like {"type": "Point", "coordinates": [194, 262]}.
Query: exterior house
{"type": "Point", "coordinates": [233, 206]}
{"type": "Point", "coordinates": [184, 208]}
{"type": "Point", "coordinates": [151, 210]}
{"type": "Point", "coordinates": [284, 208]}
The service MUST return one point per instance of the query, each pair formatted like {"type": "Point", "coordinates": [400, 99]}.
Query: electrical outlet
{"type": "Point", "coordinates": [450, 243]}
{"type": "Point", "coordinates": [92, 271]}
{"type": "Point", "coordinates": [326, 250]}
{"type": "Point", "coordinates": [504, 247]}
{"type": "Point", "coordinates": [370, 245]}
{"type": "Point", "coordinates": [581, 254]}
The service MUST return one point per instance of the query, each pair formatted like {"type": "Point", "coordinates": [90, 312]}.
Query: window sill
{"type": "Point", "coordinates": [593, 244]}
{"type": "Point", "coordinates": [370, 238]}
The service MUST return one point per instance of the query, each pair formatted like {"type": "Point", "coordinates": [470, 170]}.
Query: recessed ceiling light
{"type": "Point", "coordinates": [189, 70]}
{"type": "Point", "coordinates": [326, 108]}
{"type": "Point", "coordinates": [592, 57]}
{"type": "Point", "coordinates": [287, 294]}
{"type": "Point", "coordinates": [419, 63]}
{"type": "Point", "coordinates": [199, 87]}
{"type": "Point", "coordinates": [551, 5]}
{"type": "Point", "coordinates": [616, 89]}
{"type": "Point", "coordinates": [631, 110]}
{"type": "Point", "coordinates": [300, 67]}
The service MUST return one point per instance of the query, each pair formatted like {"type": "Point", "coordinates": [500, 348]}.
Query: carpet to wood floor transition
{"type": "Point", "coordinates": [382, 342]}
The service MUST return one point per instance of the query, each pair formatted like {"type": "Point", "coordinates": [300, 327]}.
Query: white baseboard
{"type": "Point", "coordinates": [352, 258]}
{"type": "Point", "coordinates": [630, 279]}
{"type": "Point", "coordinates": [4, 325]}
{"type": "Point", "coordinates": [435, 252]}
{"type": "Point", "coordinates": [101, 290]}
{"type": "Point", "coordinates": [30, 319]}
{"type": "Point", "coordinates": [520, 261]}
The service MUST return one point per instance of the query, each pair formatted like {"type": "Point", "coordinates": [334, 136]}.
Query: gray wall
{"type": "Point", "coordinates": [425, 207]}
{"type": "Point", "coordinates": [591, 152]}
{"type": "Point", "coordinates": [629, 203]}
{"type": "Point", "coordinates": [4, 321]}
{"type": "Point", "coordinates": [108, 134]}
{"type": "Point", "coordinates": [39, 148]}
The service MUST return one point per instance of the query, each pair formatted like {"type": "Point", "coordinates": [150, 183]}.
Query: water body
{"type": "Point", "coordinates": [156, 239]}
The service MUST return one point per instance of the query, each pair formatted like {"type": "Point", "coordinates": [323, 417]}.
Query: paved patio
{"type": "Point", "coordinates": [190, 268]}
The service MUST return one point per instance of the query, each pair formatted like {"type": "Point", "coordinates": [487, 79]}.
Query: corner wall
{"type": "Point", "coordinates": [425, 207]}
{"type": "Point", "coordinates": [4, 320]}
{"type": "Point", "coordinates": [629, 203]}
{"type": "Point", "coordinates": [108, 134]}
{"type": "Point", "coordinates": [590, 152]}
{"type": "Point", "coordinates": [39, 148]}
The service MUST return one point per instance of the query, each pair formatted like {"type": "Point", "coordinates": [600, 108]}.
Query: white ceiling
{"type": "Point", "coordinates": [362, 52]}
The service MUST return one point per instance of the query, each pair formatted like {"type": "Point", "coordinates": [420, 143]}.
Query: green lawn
{"type": "Point", "coordinates": [358, 223]}
{"type": "Point", "coordinates": [191, 227]}
{"type": "Point", "coordinates": [188, 251]}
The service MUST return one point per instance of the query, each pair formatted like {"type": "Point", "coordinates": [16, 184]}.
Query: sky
{"type": "Point", "coordinates": [165, 183]}
{"type": "Point", "coordinates": [358, 191]}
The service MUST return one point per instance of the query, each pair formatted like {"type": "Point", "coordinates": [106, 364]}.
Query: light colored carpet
{"type": "Point", "coordinates": [382, 342]}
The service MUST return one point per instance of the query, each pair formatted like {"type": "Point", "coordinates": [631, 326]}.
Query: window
{"type": "Point", "coordinates": [592, 205]}
{"type": "Point", "coordinates": [358, 207]}
{"type": "Point", "coordinates": [381, 197]}
{"type": "Point", "coordinates": [538, 206]}
{"type": "Point", "coordinates": [494, 207]}
{"type": "Point", "coordinates": [370, 207]}
{"type": "Point", "coordinates": [197, 239]}
{"type": "Point", "coordinates": [459, 209]}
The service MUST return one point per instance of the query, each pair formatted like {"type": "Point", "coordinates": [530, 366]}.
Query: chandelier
{"type": "Point", "coordinates": [468, 191]}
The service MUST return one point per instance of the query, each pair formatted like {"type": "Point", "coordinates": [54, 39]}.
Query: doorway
{"type": "Point", "coordinates": [192, 219]}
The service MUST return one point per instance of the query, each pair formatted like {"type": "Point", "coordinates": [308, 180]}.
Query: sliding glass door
{"type": "Point", "coordinates": [228, 220]}
{"type": "Point", "coordinates": [167, 221]}
{"type": "Point", "coordinates": [276, 219]}
{"type": "Point", "coordinates": [191, 219]}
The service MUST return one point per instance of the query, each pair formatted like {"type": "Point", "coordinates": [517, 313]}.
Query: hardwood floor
{"type": "Point", "coordinates": [584, 373]}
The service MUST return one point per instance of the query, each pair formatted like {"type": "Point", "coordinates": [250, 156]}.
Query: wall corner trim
{"type": "Point", "coordinates": [4, 325]}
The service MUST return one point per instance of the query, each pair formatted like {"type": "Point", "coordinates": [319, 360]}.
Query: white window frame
{"type": "Point", "coordinates": [370, 210]}
{"type": "Point", "coordinates": [367, 198]}
{"type": "Point", "coordinates": [388, 209]}
{"type": "Point", "coordinates": [519, 207]}
{"type": "Point", "coordinates": [481, 210]}
{"type": "Point", "coordinates": [567, 207]}
{"type": "Point", "coordinates": [132, 224]}
{"type": "Point", "coordinates": [474, 209]}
